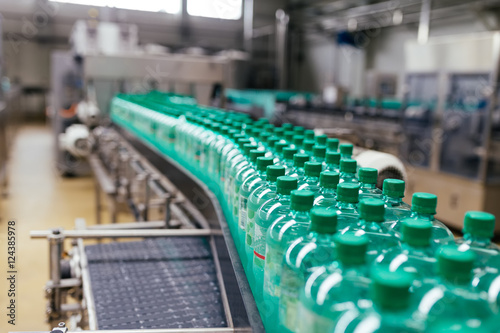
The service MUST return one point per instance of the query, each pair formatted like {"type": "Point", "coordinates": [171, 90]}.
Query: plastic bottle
{"type": "Point", "coordinates": [298, 141]}
{"type": "Point", "coordinates": [332, 161]}
{"type": "Point", "coordinates": [280, 234]}
{"type": "Point", "coordinates": [454, 299]}
{"type": "Point", "coordinates": [347, 205]}
{"type": "Point", "coordinates": [346, 151]}
{"type": "Point", "coordinates": [242, 164]}
{"type": "Point", "coordinates": [332, 144]}
{"type": "Point", "coordinates": [308, 147]}
{"type": "Point", "coordinates": [257, 198]}
{"type": "Point", "coordinates": [368, 178]}
{"type": "Point", "coordinates": [298, 166]}
{"type": "Point", "coordinates": [321, 140]}
{"type": "Point", "coordinates": [278, 149]}
{"type": "Point", "coordinates": [319, 155]}
{"type": "Point", "coordinates": [395, 209]}
{"type": "Point", "coordinates": [348, 168]}
{"type": "Point", "coordinates": [417, 253]}
{"type": "Point", "coordinates": [248, 186]}
{"type": "Point", "coordinates": [309, 135]}
{"type": "Point", "coordinates": [302, 258]}
{"type": "Point", "coordinates": [327, 195]}
{"type": "Point", "coordinates": [310, 182]}
{"type": "Point", "coordinates": [266, 215]}
{"type": "Point", "coordinates": [423, 206]}
{"type": "Point", "coordinates": [298, 130]}
{"type": "Point", "coordinates": [336, 288]}
{"type": "Point", "coordinates": [392, 311]}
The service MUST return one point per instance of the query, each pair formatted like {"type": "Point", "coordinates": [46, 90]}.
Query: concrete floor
{"type": "Point", "coordinates": [38, 199]}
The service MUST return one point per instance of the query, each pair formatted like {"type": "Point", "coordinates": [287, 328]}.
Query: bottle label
{"type": "Point", "coordinates": [243, 212]}
{"type": "Point", "coordinates": [259, 241]}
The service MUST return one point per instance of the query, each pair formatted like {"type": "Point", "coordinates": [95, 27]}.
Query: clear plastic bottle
{"type": "Point", "coordinates": [348, 168]}
{"type": "Point", "coordinates": [289, 137]}
{"type": "Point", "coordinates": [332, 161]}
{"type": "Point", "coordinates": [298, 141]}
{"type": "Point", "coordinates": [332, 144]}
{"type": "Point", "coordinates": [368, 178]}
{"type": "Point", "coordinates": [392, 310]}
{"type": "Point", "coordinates": [270, 211]}
{"type": "Point", "coordinates": [310, 182]}
{"type": "Point", "coordinates": [280, 235]}
{"type": "Point", "coordinates": [298, 166]}
{"type": "Point", "coordinates": [319, 155]}
{"type": "Point", "coordinates": [245, 163]}
{"type": "Point", "coordinates": [347, 205]}
{"type": "Point", "coordinates": [287, 162]}
{"type": "Point", "coordinates": [454, 299]}
{"type": "Point", "coordinates": [248, 186]}
{"type": "Point", "coordinates": [327, 195]}
{"type": "Point", "coordinates": [336, 288]}
{"type": "Point", "coordinates": [257, 198]}
{"type": "Point", "coordinates": [423, 206]}
{"type": "Point", "coordinates": [278, 150]}
{"type": "Point", "coordinates": [416, 255]}
{"type": "Point", "coordinates": [346, 150]}
{"type": "Point", "coordinates": [395, 209]}
{"type": "Point", "coordinates": [308, 147]}
{"type": "Point", "coordinates": [302, 258]}
{"type": "Point", "coordinates": [371, 218]}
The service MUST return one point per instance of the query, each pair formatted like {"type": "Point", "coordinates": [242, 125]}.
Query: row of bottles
{"type": "Point", "coordinates": [323, 249]}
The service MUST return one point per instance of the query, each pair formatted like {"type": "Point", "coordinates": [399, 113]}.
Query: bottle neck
{"type": "Point", "coordinates": [371, 226]}
{"type": "Point", "coordinates": [419, 250]}
{"type": "Point", "coordinates": [368, 186]}
{"type": "Point", "coordinates": [421, 216]}
{"type": "Point", "coordinates": [319, 159]}
{"type": "Point", "coordinates": [348, 175]}
{"type": "Point", "coordinates": [299, 214]}
{"type": "Point", "coordinates": [327, 190]}
{"type": "Point", "coordinates": [311, 179]}
{"type": "Point", "coordinates": [321, 237]}
{"type": "Point", "coordinates": [477, 240]}
{"type": "Point", "coordinates": [283, 197]}
{"type": "Point", "coordinates": [346, 205]}
{"type": "Point", "coordinates": [333, 166]}
{"type": "Point", "coordinates": [392, 201]}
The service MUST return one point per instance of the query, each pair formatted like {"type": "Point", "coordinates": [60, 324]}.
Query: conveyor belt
{"type": "Point", "coordinates": [155, 283]}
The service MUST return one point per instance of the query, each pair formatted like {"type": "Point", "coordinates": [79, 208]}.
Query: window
{"type": "Point", "coordinates": [222, 9]}
{"type": "Point", "coordinates": [167, 6]}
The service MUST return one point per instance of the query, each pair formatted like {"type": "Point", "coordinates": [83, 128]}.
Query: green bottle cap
{"type": "Point", "coordinates": [416, 232]}
{"type": "Point", "coordinates": [299, 130]}
{"type": "Point", "coordinates": [289, 136]}
{"type": "Point", "coordinates": [274, 171]}
{"type": "Point", "coordinates": [298, 140]}
{"type": "Point", "coordinates": [455, 265]}
{"type": "Point", "coordinates": [289, 153]}
{"type": "Point", "coordinates": [372, 210]}
{"type": "Point", "coordinates": [479, 224]}
{"type": "Point", "coordinates": [394, 188]}
{"type": "Point", "coordinates": [332, 158]}
{"type": "Point", "coordinates": [322, 139]}
{"type": "Point", "coordinates": [351, 248]}
{"type": "Point", "coordinates": [247, 147]}
{"type": "Point", "coordinates": [271, 141]}
{"type": "Point", "coordinates": [279, 131]}
{"type": "Point", "coordinates": [332, 144]}
{"type": "Point", "coordinates": [308, 145]}
{"type": "Point", "coordinates": [269, 128]}
{"type": "Point", "coordinates": [249, 130]}
{"type": "Point", "coordinates": [319, 151]}
{"type": "Point", "coordinates": [368, 175]}
{"type": "Point", "coordinates": [255, 153]}
{"type": "Point", "coordinates": [285, 185]}
{"type": "Point", "coordinates": [302, 200]}
{"type": "Point", "coordinates": [264, 136]}
{"type": "Point", "coordinates": [262, 121]}
{"type": "Point", "coordinates": [390, 290]}
{"type": "Point", "coordinates": [346, 149]}
{"type": "Point", "coordinates": [224, 130]}
{"type": "Point", "coordinates": [323, 220]}
{"type": "Point", "coordinates": [348, 192]}
{"type": "Point", "coordinates": [299, 160]}
{"type": "Point", "coordinates": [424, 203]}
{"type": "Point", "coordinates": [243, 141]}
{"type": "Point", "coordinates": [279, 146]}
{"type": "Point", "coordinates": [312, 169]}
{"type": "Point", "coordinates": [309, 135]}
{"type": "Point", "coordinates": [263, 162]}
{"type": "Point", "coordinates": [287, 126]}
{"type": "Point", "coordinates": [329, 179]}
{"type": "Point", "coordinates": [348, 166]}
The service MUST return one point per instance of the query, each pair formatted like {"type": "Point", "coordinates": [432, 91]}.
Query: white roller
{"type": "Point", "coordinates": [76, 140]}
{"type": "Point", "coordinates": [380, 161]}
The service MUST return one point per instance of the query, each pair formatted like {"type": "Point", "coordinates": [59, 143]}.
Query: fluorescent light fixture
{"type": "Point", "coordinates": [167, 6]}
{"type": "Point", "coordinates": [221, 9]}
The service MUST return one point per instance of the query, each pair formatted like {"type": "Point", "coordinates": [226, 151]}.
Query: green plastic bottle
{"type": "Point", "coordinates": [395, 208]}
{"type": "Point", "coordinates": [416, 255]}
{"type": "Point", "coordinates": [244, 164]}
{"type": "Point", "coordinates": [322, 140]}
{"type": "Point", "coordinates": [308, 147]}
{"type": "Point", "coordinates": [334, 289]}
{"type": "Point", "coordinates": [287, 162]}
{"type": "Point", "coordinates": [309, 135]}
{"type": "Point", "coordinates": [289, 137]}
{"type": "Point", "coordinates": [368, 178]}
{"type": "Point", "coordinates": [327, 195]}
{"type": "Point", "coordinates": [302, 258]}
{"type": "Point", "coordinates": [298, 141]}
{"type": "Point", "coordinates": [423, 206]}
{"type": "Point", "coordinates": [455, 299]}
{"type": "Point", "coordinates": [348, 168]}
{"type": "Point", "coordinates": [319, 155]}
{"type": "Point", "coordinates": [312, 171]}
{"type": "Point", "coordinates": [347, 205]}
{"type": "Point", "coordinates": [299, 130]}
{"type": "Point", "coordinates": [280, 235]}
{"type": "Point", "coordinates": [332, 161]}
{"type": "Point", "coordinates": [346, 150]}
{"type": "Point", "coordinates": [278, 150]}
{"type": "Point", "coordinates": [392, 310]}
{"type": "Point", "coordinates": [332, 144]}
{"type": "Point", "coordinates": [298, 166]}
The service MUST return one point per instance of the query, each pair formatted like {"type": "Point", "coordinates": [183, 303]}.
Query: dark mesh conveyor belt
{"type": "Point", "coordinates": [155, 283]}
